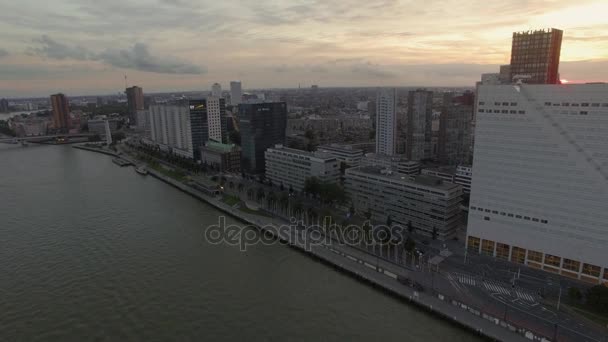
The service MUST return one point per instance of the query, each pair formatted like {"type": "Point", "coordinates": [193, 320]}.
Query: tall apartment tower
{"type": "Point", "coordinates": [262, 126]}
{"type": "Point", "coordinates": [216, 90]}
{"type": "Point", "coordinates": [4, 106]}
{"type": "Point", "coordinates": [386, 121]}
{"type": "Point", "coordinates": [419, 124]}
{"type": "Point", "coordinates": [540, 188]}
{"type": "Point", "coordinates": [135, 101]}
{"type": "Point", "coordinates": [208, 122]}
{"type": "Point", "coordinates": [536, 54]}
{"type": "Point", "coordinates": [455, 129]}
{"type": "Point", "coordinates": [236, 93]}
{"type": "Point", "coordinates": [61, 112]}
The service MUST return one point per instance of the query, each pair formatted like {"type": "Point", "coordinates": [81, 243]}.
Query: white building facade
{"type": "Point", "coordinates": [539, 196]}
{"type": "Point", "coordinates": [216, 90]}
{"type": "Point", "coordinates": [344, 153]}
{"type": "Point", "coordinates": [386, 121]}
{"type": "Point", "coordinates": [292, 167]}
{"type": "Point", "coordinates": [170, 127]}
{"type": "Point", "coordinates": [214, 119]}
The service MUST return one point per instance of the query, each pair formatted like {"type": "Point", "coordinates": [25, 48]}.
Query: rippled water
{"type": "Point", "coordinates": [91, 251]}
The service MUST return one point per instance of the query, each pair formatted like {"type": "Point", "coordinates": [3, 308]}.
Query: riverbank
{"type": "Point", "coordinates": [375, 272]}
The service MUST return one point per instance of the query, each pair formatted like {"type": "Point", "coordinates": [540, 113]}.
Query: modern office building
{"type": "Point", "coordinates": [396, 163]}
{"type": "Point", "coordinates": [236, 93]}
{"type": "Point", "coordinates": [386, 121]}
{"type": "Point", "coordinates": [460, 175]}
{"type": "Point", "coordinates": [536, 54]}
{"type": "Point", "coordinates": [344, 153]}
{"type": "Point", "coordinates": [135, 102]}
{"type": "Point", "coordinates": [208, 122]}
{"type": "Point", "coordinates": [419, 125]}
{"type": "Point", "coordinates": [454, 141]}
{"type": "Point", "coordinates": [262, 125]}
{"type": "Point", "coordinates": [540, 191]}
{"type": "Point", "coordinates": [61, 112]}
{"type": "Point", "coordinates": [216, 90]}
{"type": "Point", "coordinates": [222, 157]}
{"type": "Point", "coordinates": [3, 106]}
{"type": "Point", "coordinates": [430, 204]}
{"type": "Point", "coordinates": [171, 128]}
{"type": "Point", "coordinates": [290, 167]}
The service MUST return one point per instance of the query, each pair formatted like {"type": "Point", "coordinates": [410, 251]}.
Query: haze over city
{"type": "Point", "coordinates": [86, 47]}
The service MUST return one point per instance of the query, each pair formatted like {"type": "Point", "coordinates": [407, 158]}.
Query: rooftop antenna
{"type": "Point", "coordinates": [126, 84]}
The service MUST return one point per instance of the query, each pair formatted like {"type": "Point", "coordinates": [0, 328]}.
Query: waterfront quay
{"type": "Point", "coordinates": [376, 271]}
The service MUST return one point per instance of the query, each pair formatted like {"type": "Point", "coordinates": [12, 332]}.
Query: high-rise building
{"type": "Point", "coordinates": [4, 106]}
{"type": "Point", "coordinates": [540, 185]}
{"type": "Point", "coordinates": [431, 205]}
{"type": "Point", "coordinates": [171, 128]}
{"type": "Point", "coordinates": [216, 90]}
{"type": "Point", "coordinates": [236, 93]}
{"type": "Point", "coordinates": [208, 122]}
{"type": "Point", "coordinates": [419, 124]}
{"type": "Point", "coordinates": [386, 121]}
{"type": "Point", "coordinates": [455, 128]}
{"type": "Point", "coordinates": [135, 102]}
{"type": "Point", "coordinates": [536, 54]}
{"type": "Point", "coordinates": [291, 168]}
{"type": "Point", "coordinates": [61, 112]}
{"type": "Point", "coordinates": [262, 126]}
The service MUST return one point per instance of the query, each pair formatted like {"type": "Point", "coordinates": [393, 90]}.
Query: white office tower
{"type": "Point", "coordinates": [170, 128]}
{"type": "Point", "coordinates": [386, 121]}
{"type": "Point", "coordinates": [236, 93]}
{"type": "Point", "coordinates": [539, 193]}
{"type": "Point", "coordinates": [216, 90]}
{"type": "Point", "coordinates": [214, 119]}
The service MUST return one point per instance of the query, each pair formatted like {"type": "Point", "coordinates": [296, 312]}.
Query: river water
{"type": "Point", "coordinates": [91, 251]}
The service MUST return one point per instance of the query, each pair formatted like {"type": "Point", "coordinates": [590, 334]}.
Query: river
{"type": "Point", "coordinates": [92, 251]}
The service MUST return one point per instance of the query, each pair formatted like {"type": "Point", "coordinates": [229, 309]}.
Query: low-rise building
{"type": "Point", "coordinates": [460, 175]}
{"type": "Point", "coordinates": [431, 205]}
{"type": "Point", "coordinates": [344, 153]}
{"type": "Point", "coordinates": [98, 126]}
{"type": "Point", "coordinates": [291, 167]}
{"type": "Point", "coordinates": [223, 157]}
{"type": "Point", "coordinates": [396, 163]}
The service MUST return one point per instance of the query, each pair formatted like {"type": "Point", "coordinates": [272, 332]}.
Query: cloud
{"type": "Point", "coordinates": [3, 53]}
{"type": "Point", "coordinates": [372, 70]}
{"type": "Point", "coordinates": [137, 57]}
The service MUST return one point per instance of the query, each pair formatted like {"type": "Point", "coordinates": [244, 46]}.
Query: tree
{"type": "Point", "coordinates": [351, 210]}
{"type": "Point", "coordinates": [372, 135]}
{"type": "Point", "coordinates": [309, 134]}
{"type": "Point", "coordinates": [434, 233]}
{"type": "Point", "coordinates": [410, 228]}
{"type": "Point", "coordinates": [240, 187]}
{"type": "Point", "coordinates": [261, 194]}
{"type": "Point", "coordinates": [312, 186]}
{"type": "Point", "coordinates": [231, 185]}
{"type": "Point", "coordinates": [597, 299]}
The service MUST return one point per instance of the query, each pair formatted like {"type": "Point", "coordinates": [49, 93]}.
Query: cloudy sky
{"type": "Point", "coordinates": [87, 46]}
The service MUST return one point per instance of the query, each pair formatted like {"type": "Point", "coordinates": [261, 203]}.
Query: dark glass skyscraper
{"type": "Point", "coordinates": [61, 112]}
{"type": "Point", "coordinates": [536, 54]}
{"type": "Point", "coordinates": [135, 101]}
{"type": "Point", "coordinates": [207, 122]}
{"type": "Point", "coordinates": [262, 126]}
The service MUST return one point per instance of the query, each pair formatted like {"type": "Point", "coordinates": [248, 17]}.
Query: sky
{"type": "Point", "coordinates": [86, 47]}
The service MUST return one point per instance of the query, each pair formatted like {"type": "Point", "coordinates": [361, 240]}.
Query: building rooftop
{"type": "Point", "coordinates": [425, 180]}
{"type": "Point", "coordinates": [320, 155]}
{"type": "Point", "coordinates": [219, 147]}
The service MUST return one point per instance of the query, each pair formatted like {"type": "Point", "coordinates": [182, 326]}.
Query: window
{"type": "Point", "coordinates": [482, 110]}
{"type": "Point", "coordinates": [487, 247]}
{"type": "Point", "coordinates": [503, 213]}
{"type": "Point", "coordinates": [510, 215]}
{"type": "Point", "coordinates": [481, 103]}
{"type": "Point", "coordinates": [535, 219]}
{"type": "Point", "coordinates": [497, 103]}
{"type": "Point", "coordinates": [591, 270]}
{"type": "Point", "coordinates": [487, 210]}
{"type": "Point", "coordinates": [584, 105]}
{"type": "Point", "coordinates": [547, 103]}
{"type": "Point", "coordinates": [505, 112]}
{"type": "Point", "coordinates": [595, 105]}
{"type": "Point", "coordinates": [575, 105]}
{"type": "Point", "coordinates": [513, 103]}
{"type": "Point", "coordinates": [566, 104]}
{"type": "Point", "coordinates": [496, 111]}
{"type": "Point", "coordinates": [544, 221]}
{"type": "Point", "coordinates": [502, 251]}
{"type": "Point", "coordinates": [527, 218]}
{"type": "Point", "coordinates": [571, 265]}
{"type": "Point", "coordinates": [505, 103]}
{"type": "Point", "coordinates": [583, 112]}
{"type": "Point", "coordinates": [604, 104]}
{"type": "Point", "coordinates": [486, 218]}
{"type": "Point", "coordinates": [552, 260]}
{"type": "Point", "coordinates": [522, 112]}
{"type": "Point", "coordinates": [473, 208]}
{"type": "Point", "coordinates": [518, 216]}
{"type": "Point", "coordinates": [473, 243]}
{"type": "Point", "coordinates": [535, 256]}
{"type": "Point", "coordinates": [518, 255]}
{"type": "Point", "coordinates": [494, 211]}
{"type": "Point", "coordinates": [513, 112]}
{"type": "Point", "coordinates": [606, 274]}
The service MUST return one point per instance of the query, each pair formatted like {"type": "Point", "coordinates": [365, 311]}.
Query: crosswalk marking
{"type": "Point", "coordinates": [525, 296]}
{"type": "Point", "coordinates": [466, 279]}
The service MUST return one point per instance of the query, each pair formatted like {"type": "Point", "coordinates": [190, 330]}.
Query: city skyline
{"type": "Point", "coordinates": [280, 45]}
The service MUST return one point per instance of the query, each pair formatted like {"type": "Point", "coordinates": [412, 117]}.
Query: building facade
{"type": "Point", "coordinates": [236, 93]}
{"type": "Point", "coordinates": [207, 122]}
{"type": "Point", "coordinates": [171, 127]}
{"type": "Point", "coordinates": [135, 102]}
{"type": "Point", "coordinates": [430, 204]}
{"type": "Point", "coordinates": [3, 106]}
{"type": "Point", "coordinates": [540, 189]}
{"type": "Point", "coordinates": [454, 140]}
{"type": "Point", "coordinates": [396, 163]}
{"type": "Point", "coordinates": [262, 125]}
{"type": "Point", "coordinates": [344, 153]}
{"type": "Point", "coordinates": [536, 54]}
{"type": "Point", "coordinates": [291, 168]}
{"type": "Point", "coordinates": [216, 90]}
{"type": "Point", "coordinates": [419, 125]}
{"type": "Point", "coordinates": [61, 112]}
{"type": "Point", "coordinates": [386, 121]}
{"type": "Point", "coordinates": [222, 157]}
